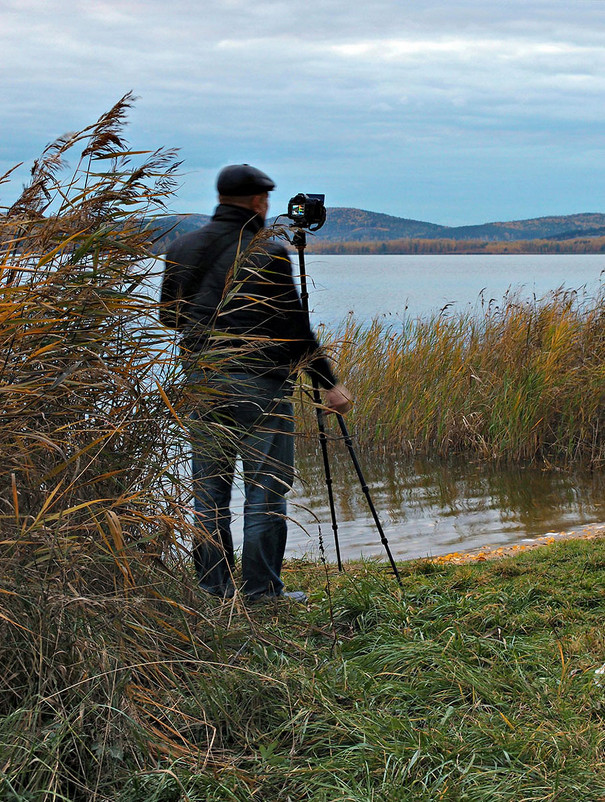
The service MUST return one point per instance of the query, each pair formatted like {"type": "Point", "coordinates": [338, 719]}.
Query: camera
{"type": "Point", "coordinates": [307, 211]}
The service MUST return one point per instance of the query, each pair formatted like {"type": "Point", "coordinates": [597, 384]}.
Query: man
{"type": "Point", "coordinates": [230, 292]}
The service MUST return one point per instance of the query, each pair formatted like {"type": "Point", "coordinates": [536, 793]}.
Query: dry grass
{"type": "Point", "coordinates": [110, 657]}
{"type": "Point", "coordinates": [93, 510]}
{"type": "Point", "coordinates": [523, 381]}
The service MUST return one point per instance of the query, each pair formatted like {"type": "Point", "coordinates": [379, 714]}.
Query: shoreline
{"type": "Point", "coordinates": [585, 532]}
{"type": "Point", "coordinates": [592, 531]}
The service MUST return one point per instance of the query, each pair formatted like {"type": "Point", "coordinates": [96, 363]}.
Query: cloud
{"type": "Point", "coordinates": [334, 85]}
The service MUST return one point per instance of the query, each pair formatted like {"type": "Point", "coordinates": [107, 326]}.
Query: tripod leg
{"type": "Point", "coordinates": [323, 440]}
{"type": "Point", "coordinates": [366, 492]}
{"type": "Point", "coordinates": [300, 241]}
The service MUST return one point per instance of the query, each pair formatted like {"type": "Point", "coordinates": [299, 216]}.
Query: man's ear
{"type": "Point", "coordinates": [259, 203]}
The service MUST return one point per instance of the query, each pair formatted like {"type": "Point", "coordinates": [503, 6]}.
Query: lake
{"type": "Point", "coordinates": [394, 286]}
{"type": "Point", "coordinates": [434, 508]}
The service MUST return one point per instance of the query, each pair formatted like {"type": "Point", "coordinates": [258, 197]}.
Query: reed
{"type": "Point", "coordinates": [522, 380]}
{"type": "Point", "coordinates": [97, 606]}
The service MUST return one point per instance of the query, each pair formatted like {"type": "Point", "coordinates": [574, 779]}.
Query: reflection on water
{"type": "Point", "coordinates": [433, 508]}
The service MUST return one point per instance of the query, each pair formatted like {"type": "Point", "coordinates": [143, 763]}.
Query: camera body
{"type": "Point", "coordinates": [307, 211]}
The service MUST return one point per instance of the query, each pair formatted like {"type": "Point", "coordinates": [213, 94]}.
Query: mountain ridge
{"type": "Point", "coordinates": [352, 225]}
{"type": "Point", "coordinates": [349, 224]}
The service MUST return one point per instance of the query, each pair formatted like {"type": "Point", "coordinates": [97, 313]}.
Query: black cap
{"type": "Point", "coordinates": [242, 179]}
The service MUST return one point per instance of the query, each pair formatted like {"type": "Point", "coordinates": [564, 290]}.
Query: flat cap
{"type": "Point", "coordinates": [242, 179]}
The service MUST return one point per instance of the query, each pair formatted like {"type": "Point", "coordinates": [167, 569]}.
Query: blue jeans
{"type": "Point", "coordinates": [250, 416]}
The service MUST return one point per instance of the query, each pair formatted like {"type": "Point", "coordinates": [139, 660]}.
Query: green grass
{"type": "Point", "coordinates": [471, 682]}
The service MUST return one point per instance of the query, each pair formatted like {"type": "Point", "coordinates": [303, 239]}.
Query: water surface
{"type": "Point", "coordinates": [431, 508]}
{"type": "Point", "coordinates": [428, 508]}
{"type": "Point", "coordinates": [394, 286]}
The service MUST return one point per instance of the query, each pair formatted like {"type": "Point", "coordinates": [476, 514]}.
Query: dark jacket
{"type": "Point", "coordinates": [210, 289]}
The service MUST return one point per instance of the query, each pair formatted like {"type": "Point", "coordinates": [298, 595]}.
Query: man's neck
{"type": "Point", "coordinates": [253, 214]}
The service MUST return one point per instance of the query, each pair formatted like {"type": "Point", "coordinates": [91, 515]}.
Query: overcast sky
{"type": "Point", "coordinates": [455, 112]}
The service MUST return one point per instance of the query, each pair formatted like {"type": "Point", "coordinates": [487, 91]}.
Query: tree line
{"type": "Point", "coordinates": [439, 246]}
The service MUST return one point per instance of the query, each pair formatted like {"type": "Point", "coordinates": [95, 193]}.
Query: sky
{"type": "Point", "coordinates": [456, 113]}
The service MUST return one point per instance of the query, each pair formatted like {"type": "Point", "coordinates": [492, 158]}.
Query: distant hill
{"type": "Point", "coordinates": [359, 225]}
{"type": "Point", "coordinates": [563, 227]}
{"type": "Point", "coordinates": [351, 225]}
{"type": "Point", "coordinates": [168, 228]}
{"type": "Point", "coordinates": [587, 232]}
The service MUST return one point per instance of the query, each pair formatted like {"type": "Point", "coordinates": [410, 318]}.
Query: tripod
{"type": "Point", "coordinates": [299, 240]}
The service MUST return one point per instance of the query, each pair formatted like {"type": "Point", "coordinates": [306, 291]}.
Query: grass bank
{"type": "Point", "coordinates": [472, 682]}
{"type": "Point", "coordinates": [517, 381]}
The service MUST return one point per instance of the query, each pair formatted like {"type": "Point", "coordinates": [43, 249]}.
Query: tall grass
{"type": "Point", "coordinates": [112, 663]}
{"type": "Point", "coordinates": [98, 617]}
{"type": "Point", "coordinates": [523, 380]}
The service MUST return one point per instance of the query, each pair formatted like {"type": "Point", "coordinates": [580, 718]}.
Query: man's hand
{"type": "Point", "coordinates": [338, 399]}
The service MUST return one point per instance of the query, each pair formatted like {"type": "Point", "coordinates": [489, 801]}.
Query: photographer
{"type": "Point", "coordinates": [228, 288]}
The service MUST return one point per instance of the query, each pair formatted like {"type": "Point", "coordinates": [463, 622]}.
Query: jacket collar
{"type": "Point", "coordinates": [244, 218]}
